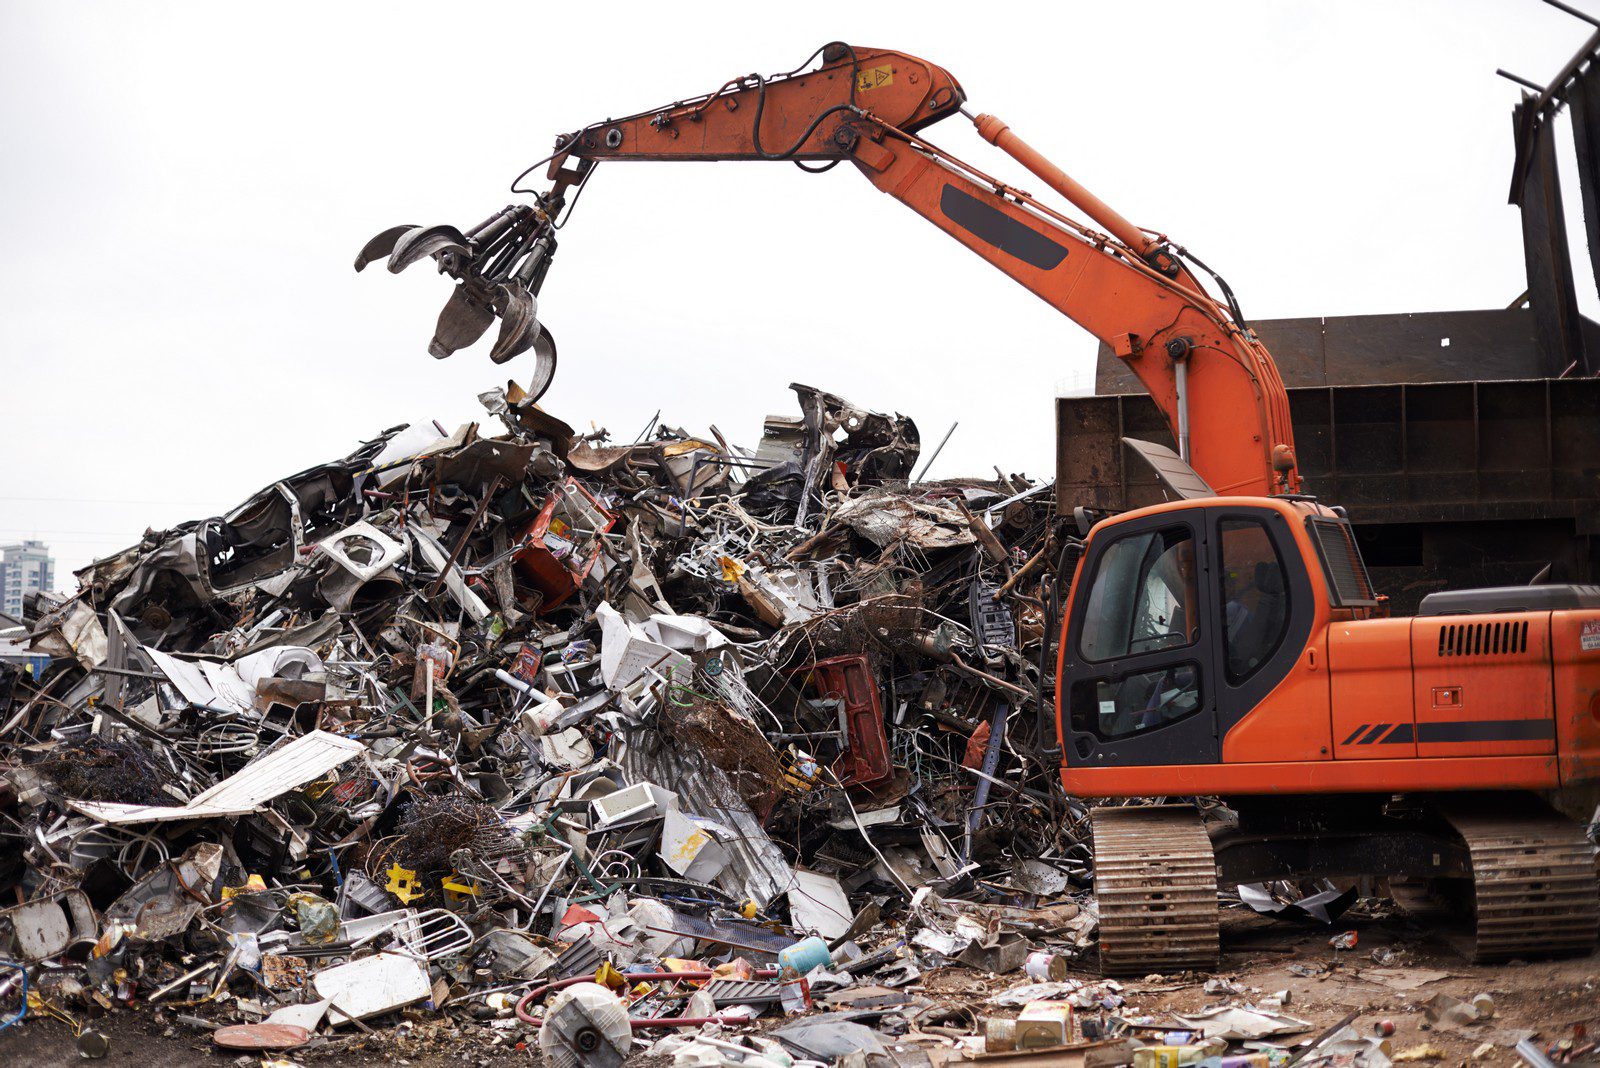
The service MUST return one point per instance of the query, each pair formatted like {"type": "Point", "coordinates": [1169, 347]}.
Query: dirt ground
{"type": "Point", "coordinates": [1546, 997]}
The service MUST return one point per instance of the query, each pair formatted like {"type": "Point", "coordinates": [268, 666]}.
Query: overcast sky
{"type": "Point", "coordinates": [186, 184]}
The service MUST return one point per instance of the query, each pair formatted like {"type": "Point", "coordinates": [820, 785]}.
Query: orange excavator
{"type": "Point", "coordinates": [1227, 643]}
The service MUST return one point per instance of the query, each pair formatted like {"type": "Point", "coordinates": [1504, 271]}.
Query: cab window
{"type": "Point", "coordinates": [1143, 599]}
{"type": "Point", "coordinates": [1255, 599]}
{"type": "Point", "coordinates": [1119, 706]}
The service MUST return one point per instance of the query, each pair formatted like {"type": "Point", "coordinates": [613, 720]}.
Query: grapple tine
{"type": "Point", "coordinates": [464, 318]}
{"type": "Point", "coordinates": [519, 323]}
{"type": "Point", "coordinates": [427, 241]}
{"type": "Point", "coordinates": [544, 368]}
{"type": "Point", "coordinates": [381, 245]}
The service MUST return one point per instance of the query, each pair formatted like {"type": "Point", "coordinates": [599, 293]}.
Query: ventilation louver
{"type": "Point", "coordinates": [1484, 639]}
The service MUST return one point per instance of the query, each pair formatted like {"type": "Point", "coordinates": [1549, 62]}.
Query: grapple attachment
{"type": "Point", "coordinates": [499, 265]}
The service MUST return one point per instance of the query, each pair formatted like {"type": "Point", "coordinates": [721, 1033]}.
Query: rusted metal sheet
{"type": "Point", "coordinates": [1450, 484]}
{"type": "Point", "coordinates": [1584, 97]}
{"type": "Point", "coordinates": [1544, 241]}
{"type": "Point", "coordinates": [1349, 350]}
{"type": "Point", "coordinates": [1396, 452]}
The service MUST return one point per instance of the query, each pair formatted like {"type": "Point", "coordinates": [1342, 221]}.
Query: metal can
{"type": "Point", "coordinates": [999, 1035]}
{"type": "Point", "coordinates": [1043, 967]}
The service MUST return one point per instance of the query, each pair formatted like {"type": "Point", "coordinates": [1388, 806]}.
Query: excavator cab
{"type": "Point", "coordinates": [1182, 618]}
{"type": "Point", "coordinates": [1230, 647]}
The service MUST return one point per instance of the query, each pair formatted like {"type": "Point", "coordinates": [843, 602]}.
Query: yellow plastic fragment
{"type": "Point", "coordinates": [402, 884]}
{"type": "Point", "coordinates": [455, 888]}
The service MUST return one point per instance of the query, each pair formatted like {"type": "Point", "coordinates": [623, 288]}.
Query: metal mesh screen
{"type": "Point", "coordinates": [1348, 582]}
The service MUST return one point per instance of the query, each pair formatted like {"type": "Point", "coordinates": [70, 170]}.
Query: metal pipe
{"type": "Point", "coordinates": [997, 133]}
{"type": "Point", "coordinates": [1574, 12]}
{"type": "Point", "coordinates": [1554, 89]}
{"type": "Point", "coordinates": [937, 451]}
{"type": "Point", "coordinates": [1526, 83]}
{"type": "Point", "coordinates": [980, 794]}
{"type": "Point", "coordinates": [1180, 385]}
{"type": "Point", "coordinates": [1024, 495]}
{"type": "Point", "coordinates": [1532, 1054]}
{"type": "Point", "coordinates": [517, 684]}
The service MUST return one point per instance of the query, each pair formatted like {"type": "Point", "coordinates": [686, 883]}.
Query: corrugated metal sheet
{"type": "Point", "coordinates": [756, 868]}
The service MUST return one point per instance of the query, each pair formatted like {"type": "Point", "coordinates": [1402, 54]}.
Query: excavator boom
{"type": "Point", "coordinates": [1128, 287]}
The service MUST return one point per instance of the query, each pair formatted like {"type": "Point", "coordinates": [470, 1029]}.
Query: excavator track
{"type": "Point", "coordinates": [1155, 879]}
{"type": "Point", "coordinates": [1534, 887]}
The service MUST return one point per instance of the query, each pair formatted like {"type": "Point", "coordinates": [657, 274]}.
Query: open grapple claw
{"type": "Point", "coordinates": [423, 241]}
{"type": "Point", "coordinates": [499, 266]}
{"type": "Point", "coordinates": [381, 245]}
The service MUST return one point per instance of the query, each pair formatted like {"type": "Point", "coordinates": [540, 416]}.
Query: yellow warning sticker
{"type": "Point", "coordinates": [874, 78]}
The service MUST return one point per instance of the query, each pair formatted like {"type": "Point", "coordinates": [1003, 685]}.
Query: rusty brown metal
{"type": "Point", "coordinates": [1551, 290]}
{"type": "Point", "coordinates": [1450, 484]}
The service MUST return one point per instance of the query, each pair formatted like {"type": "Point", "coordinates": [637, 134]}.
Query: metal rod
{"type": "Point", "coordinates": [180, 980]}
{"type": "Point", "coordinates": [461, 542]}
{"type": "Point", "coordinates": [1027, 569]}
{"type": "Point", "coordinates": [980, 794]}
{"type": "Point", "coordinates": [127, 673]}
{"type": "Point", "coordinates": [767, 950]}
{"type": "Point", "coordinates": [1320, 1039]}
{"type": "Point", "coordinates": [1526, 83]}
{"type": "Point", "coordinates": [937, 451]}
{"type": "Point", "coordinates": [1567, 72]}
{"type": "Point", "coordinates": [1574, 12]}
{"type": "Point", "coordinates": [1024, 495]}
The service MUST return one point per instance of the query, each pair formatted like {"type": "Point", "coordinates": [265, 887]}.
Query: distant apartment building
{"type": "Point", "coordinates": [24, 568]}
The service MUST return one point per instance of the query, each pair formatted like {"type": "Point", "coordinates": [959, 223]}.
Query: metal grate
{"type": "Point", "coordinates": [1484, 639]}
{"type": "Point", "coordinates": [1349, 586]}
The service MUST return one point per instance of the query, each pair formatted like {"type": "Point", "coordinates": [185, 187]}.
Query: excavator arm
{"type": "Point", "coordinates": [1127, 286]}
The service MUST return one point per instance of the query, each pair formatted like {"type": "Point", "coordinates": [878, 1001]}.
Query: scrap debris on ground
{"type": "Point", "coordinates": [679, 749]}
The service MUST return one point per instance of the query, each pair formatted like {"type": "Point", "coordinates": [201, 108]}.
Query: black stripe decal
{"type": "Point", "coordinates": [1487, 730]}
{"type": "Point", "coordinates": [1372, 735]}
{"type": "Point", "coordinates": [1402, 733]}
{"type": "Point", "coordinates": [993, 226]}
{"type": "Point", "coordinates": [1359, 731]}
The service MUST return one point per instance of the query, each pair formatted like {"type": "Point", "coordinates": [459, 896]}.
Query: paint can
{"type": "Point", "coordinates": [999, 1035]}
{"type": "Point", "coordinates": [1045, 967]}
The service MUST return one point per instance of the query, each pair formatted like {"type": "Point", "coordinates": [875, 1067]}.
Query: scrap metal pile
{"type": "Point", "coordinates": [460, 718]}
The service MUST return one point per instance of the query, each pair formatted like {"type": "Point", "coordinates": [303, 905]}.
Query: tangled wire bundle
{"type": "Point", "coordinates": [106, 770]}
{"type": "Point", "coordinates": [439, 826]}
